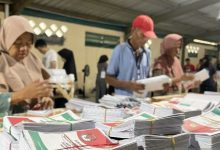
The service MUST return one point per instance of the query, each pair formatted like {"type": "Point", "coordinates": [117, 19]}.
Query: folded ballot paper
{"type": "Point", "coordinates": [205, 130]}
{"type": "Point", "coordinates": [40, 113]}
{"type": "Point", "coordinates": [66, 121]}
{"type": "Point", "coordinates": [153, 84]}
{"type": "Point", "coordinates": [199, 76]}
{"type": "Point", "coordinates": [101, 114]}
{"type": "Point", "coordinates": [119, 101]}
{"type": "Point", "coordinates": [155, 142]}
{"type": "Point", "coordinates": [203, 102]}
{"type": "Point", "coordinates": [91, 139]}
{"type": "Point", "coordinates": [157, 110]}
{"type": "Point", "coordinates": [143, 123]}
{"type": "Point", "coordinates": [77, 105]}
{"type": "Point", "coordinates": [7, 142]}
{"type": "Point", "coordinates": [174, 106]}
{"type": "Point", "coordinates": [202, 75]}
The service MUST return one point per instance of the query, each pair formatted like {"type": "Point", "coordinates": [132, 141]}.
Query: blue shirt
{"type": "Point", "coordinates": [123, 66]}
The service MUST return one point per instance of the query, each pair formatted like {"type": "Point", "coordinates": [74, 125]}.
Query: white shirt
{"type": "Point", "coordinates": [51, 55]}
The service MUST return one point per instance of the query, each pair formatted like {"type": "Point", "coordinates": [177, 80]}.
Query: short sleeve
{"type": "Point", "coordinates": [113, 66]}
{"type": "Point", "coordinates": [53, 56]}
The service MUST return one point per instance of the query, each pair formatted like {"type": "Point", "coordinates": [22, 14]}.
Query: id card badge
{"type": "Point", "coordinates": [138, 74]}
{"type": "Point", "coordinates": [102, 74]}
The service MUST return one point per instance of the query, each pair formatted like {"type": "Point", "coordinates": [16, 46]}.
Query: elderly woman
{"type": "Point", "coordinates": [169, 64]}
{"type": "Point", "coordinates": [18, 65]}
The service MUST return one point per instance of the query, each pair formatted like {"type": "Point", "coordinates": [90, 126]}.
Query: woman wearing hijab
{"type": "Point", "coordinates": [33, 90]}
{"type": "Point", "coordinates": [18, 65]}
{"type": "Point", "coordinates": [169, 64]}
{"type": "Point", "coordinates": [101, 87]}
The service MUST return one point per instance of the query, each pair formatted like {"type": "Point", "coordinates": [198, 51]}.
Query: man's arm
{"type": "Point", "coordinates": [53, 64]}
{"type": "Point", "coordinates": [133, 86]}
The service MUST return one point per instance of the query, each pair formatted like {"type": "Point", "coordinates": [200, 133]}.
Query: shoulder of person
{"type": "Point", "coordinates": [121, 46]}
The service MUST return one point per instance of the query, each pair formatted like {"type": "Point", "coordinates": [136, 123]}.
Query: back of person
{"type": "Point", "coordinates": [50, 59]}
{"type": "Point", "coordinates": [189, 68]}
{"type": "Point", "coordinates": [210, 84]}
{"type": "Point", "coordinates": [101, 86]}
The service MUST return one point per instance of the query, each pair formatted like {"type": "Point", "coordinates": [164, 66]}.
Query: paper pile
{"type": "Point", "coordinates": [40, 113]}
{"type": "Point", "coordinates": [154, 142]}
{"type": "Point", "coordinates": [82, 139]}
{"type": "Point", "coordinates": [155, 83]}
{"type": "Point", "coordinates": [101, 114]}
{"type": "Point", "coordinates": [91, 139]}
{"type": "Point", "coordinates": [66, 121]}
{"type": "Point", "coordinates": [157, 110]}
{"type": "Point", "coordinates": [143, 123]}
{"type": "Point", "coordinates": [179, 106]}
{"type": "Point", "coordinates": [78, 104]}
{"type": "Point", "coordinates": [205, 130]}
{"type": "Point", "coordinates": [7, 142]}
{"type": "Point", "coordinates": [119, 101]}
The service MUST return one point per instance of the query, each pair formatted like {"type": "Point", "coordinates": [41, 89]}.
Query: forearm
{"type": "Point", "coordinates": [17, 97]}
{"type": "Point", "coordinates": [176, 80]}
{"type": "Point", "coordinates": [53, 64]}
{"type": "Point", "coordinates": [117, 83]}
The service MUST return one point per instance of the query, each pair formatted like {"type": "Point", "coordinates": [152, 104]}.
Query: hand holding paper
{"type": "Point", "coordinates": [153, 84]}
{"type": "Point", "coordinates": [198, 78]}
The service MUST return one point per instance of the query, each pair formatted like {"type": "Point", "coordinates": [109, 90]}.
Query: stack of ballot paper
{"type": "Point", "coordinates": [153, 84]}
{"type": "Point", "coordinates": [119, 101]}
{"type": "Point", "coordinates": [128, 145]}
{"type": "Point", "coordinates": [78, 104]}
{"type": "Point", "coordinates": [7, 142]}
{"type": "Point", "coordinates": [93, 139]}
{"type": "Point", "coordinates": [202, 102]}
{"type": "Point", "coordinates": [66, 121]}
{"type": "Point", "coordinates": [101, 114]}
{"type": "Point", "coordinates": [205, 130]}
{"type": "Point", "coordinates": [157, 110]}
{"type": "Point", "coordinates": [178, 106]}
{"type": "Point", "coordinates": [154, 142]}
{"type": "Point", "coordinates": [143, 123]}
{"type": "Point", "coordinates": [40, 113]}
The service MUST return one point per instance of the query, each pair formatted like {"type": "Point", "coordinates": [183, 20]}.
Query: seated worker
{"type": "Point", "coordinates": [18, 65]}
{"type": "Point", "coordinates": [33, 90]}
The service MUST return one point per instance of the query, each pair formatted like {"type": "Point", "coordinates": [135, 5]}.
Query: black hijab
{"type": "Point", "coordinates": [69, 64]}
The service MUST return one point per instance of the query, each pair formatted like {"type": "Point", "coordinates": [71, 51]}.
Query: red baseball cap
{"type": "Point", "coordinates": [145, 24]}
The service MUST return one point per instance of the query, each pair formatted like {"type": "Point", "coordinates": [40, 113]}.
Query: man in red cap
{"type": "Point", "coordinates": [130, 61]}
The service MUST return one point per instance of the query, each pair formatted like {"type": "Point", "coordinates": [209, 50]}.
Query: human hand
{"type": "Point", "coordinates": [192, 84]}
{"type": "Point", "coordinates": [187, 77]}
{"type": "Point", "coordinates": [137, 87]}
{"type": "Point", "coordinates": [166, 87]}
{"type": "Point", "coordinates": [197, 83]}
{"type": "Point", "coordinates": [37, 89]}
{"type": "Point", "coordinates": [44, 103]}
